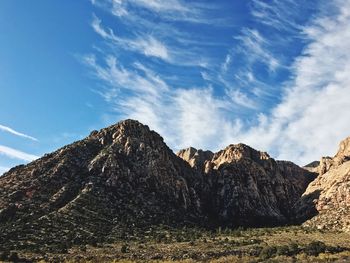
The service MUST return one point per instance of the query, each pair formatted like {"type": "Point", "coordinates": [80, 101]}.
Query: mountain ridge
{"type": "Point", "coordinates": [124, 179]}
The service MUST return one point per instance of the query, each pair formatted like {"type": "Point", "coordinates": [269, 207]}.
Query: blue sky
{"type": "Point", "coordinates": [272, 74]}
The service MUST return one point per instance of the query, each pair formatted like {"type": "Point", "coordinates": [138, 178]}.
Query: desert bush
{"type": "Point", "coordinates": [283, 250]}
{"type": "Point", "coordinates": [13, 257]}
{"type": "Point", "coordinates": [268, 252]}
{"type": "Point", "coordinates": [124, 248]}
{"type": "Point", "coordinates": [314, 248]}
{"type": "Point", "coordinates": [4, 255]}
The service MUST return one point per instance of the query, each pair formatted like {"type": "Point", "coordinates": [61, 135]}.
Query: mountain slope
{"type": "Point", "coordinates": [122, 175]}
{"type": "Point", "coordinates": [246, 187]}
{"type": "Point", "coordinates": [326, 201]}
{"type": "Point", "coordinates": [124, 179]}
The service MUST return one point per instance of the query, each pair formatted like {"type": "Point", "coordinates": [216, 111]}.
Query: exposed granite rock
{"type": "Point", "coordinates": [343, 155]}
{"type": "Point", "coordinates": [242, 186]}
{"type": "Point", "coordinates": [326, 201]}
{"type": "Point", "coordinates": [124, 178]}
{"type": "Point", "coordinates": [195, 158]}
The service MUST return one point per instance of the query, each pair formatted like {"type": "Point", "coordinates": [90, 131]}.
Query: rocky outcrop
{"type": "Point", "coordinates": [195, 158]}
{"type": "Point", "coordinates": [124, 178]}
{"type": "Point", "coordinates": [326, 201]}
{"type": "Point", "coordinates": [246, 187]}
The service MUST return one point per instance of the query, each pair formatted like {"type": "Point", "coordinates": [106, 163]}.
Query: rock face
{"type": "Point", "coordinates": [242, 186]}
{"type": "Point", "coordinates": [326, 201]}
{"type": "Point", "coordinates": [124, 177]}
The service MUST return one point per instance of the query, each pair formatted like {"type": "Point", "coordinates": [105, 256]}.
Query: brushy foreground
{"type": "Point", "coordinates": [163, 244]}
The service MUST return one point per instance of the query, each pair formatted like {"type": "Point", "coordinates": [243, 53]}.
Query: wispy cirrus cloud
{"type": "Point", "coordinates": [312, 116]}
{"type": "Point", "coordinates": [284, 16]}
{"type": "Point", "coordinates": [257, 48]}
{"type": "Point", "coordinates": [14, 132]}
{"type": "Point", "coordinates": [16, 154]}
{"type": "Point", "coordinates": [162, 6]}
{"type": "Point", "coordinates": [175, 48]}
{"type": "Point", "coordinates": [145, 44]}
{"type": "Point", "coordinates": [241, 98]}
{"type": "Point", "coordinates": [201, 116]}
{"type": "Point", "coordinates": [171, 10]}
{"type": "Point", "coordinates": [143, 81]}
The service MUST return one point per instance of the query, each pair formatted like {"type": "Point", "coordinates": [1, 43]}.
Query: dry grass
{"type": "Point", "coordinates": [252, 245]}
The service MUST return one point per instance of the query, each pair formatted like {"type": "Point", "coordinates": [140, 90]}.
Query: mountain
{"type": "Point", "coordinates": [96, 188]}
{"type": "Point", "coordinates": [326, 201]}
{"type": "Point", "coordinates": [124, 179]}
{"type": "Point", "coordinates": [245, 187]}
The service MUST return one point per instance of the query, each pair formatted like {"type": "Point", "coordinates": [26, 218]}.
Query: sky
{"type": "Point", "coordinates": [272, 74]}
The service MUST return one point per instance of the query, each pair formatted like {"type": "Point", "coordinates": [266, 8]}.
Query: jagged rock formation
{"type": "Point", "coordinates": [246, 187]}
{"type": "Point", "coordinates": [327, 199]}
{"type": "Point", "coordinates": [125, 178]}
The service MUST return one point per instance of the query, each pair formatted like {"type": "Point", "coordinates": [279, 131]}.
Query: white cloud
{"type": "Point", "coordinates": [151, 47]}
{"type": "Point", "coordinates": [170, 10]}
{"type": "Point", "coordinates": [314, 113]}
{"type": "Point", "coordinates": [145, 44]}
{"type": "Point", "coordinates": [182, 53]}
{"type": "Point", "coordinates": [279, 15]}
{"type": "Point", "coordinates": [257, 48]}
{"type": "Point", "coordinates": [241, 98]}
{"type": "Point", "coordinates": [162, 6]}
{"type": "Point", "coordinates": [310, 120]}
{"type": "Point", "coordinates": [226, 64]}
{"type": "Point", "coordinates": [120, 78]}
{"type": "Point", "coordinates": [12, 131]}
{"type": "Point", "coordinates": [13, 153]}
{"type": "Point", "coordinates": [185, 117]}
{"type": "Point", "coordinates": [3, 169]}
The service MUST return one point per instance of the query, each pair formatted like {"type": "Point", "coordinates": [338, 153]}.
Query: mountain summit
{"type": "Point", "coordinates": [326, 201]}
{"type": "Point", "coordinates": [124, 178]}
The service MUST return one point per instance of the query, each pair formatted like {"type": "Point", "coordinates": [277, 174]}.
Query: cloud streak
{"type": "Point", "coordinates": [146, 44]}
{"type": "Point", "coordinates": [16, 154]}
{"type": "Point", "coordinates": [310, 111]}
{"type": "Point", "coordinates": [14, 132]}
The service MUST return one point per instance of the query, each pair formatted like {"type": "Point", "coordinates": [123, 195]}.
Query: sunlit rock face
{"type": "Point", "coordinates": [326, 201]}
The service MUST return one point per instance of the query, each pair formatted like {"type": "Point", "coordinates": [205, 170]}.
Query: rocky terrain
{"type": "Point", "coordinates": [326, 201]}
{"type": "Point", "coordinates": [245, 187]}
{"type": "Point", "coordinates": [97, 189]}
{"type": "Point", "coordinates": [123, 180]}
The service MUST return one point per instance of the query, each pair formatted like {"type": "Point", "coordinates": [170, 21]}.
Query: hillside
{"type": "Point", "coordinates": [123, 179]}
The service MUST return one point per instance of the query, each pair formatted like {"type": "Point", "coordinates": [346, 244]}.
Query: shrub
{"type": "Point", "coordinates": [283, 251]}
{"type": "Point", "coordinates": [314, 248]}
{"type": "Point", "coordinates": [294, 249]}
{"type": "Point", "coordinates": [4, 255]}
{"type": "Point", "coordinates": [13, 257]}
{"type": "Point", "coordinates": [268, 252]}
{"type": "Point", "coordinates": [124, 248]}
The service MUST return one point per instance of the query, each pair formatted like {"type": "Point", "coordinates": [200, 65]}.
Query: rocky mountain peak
{"type": "Point", "coordinates": [235, 152]}
{"type": "Point", "coordinates": [194, 157]}
{"type": "Point", "coordinates": [343, 155]}
{"type": "Point", "coordinates": [131, 129]}
{"type": "Point", "coordinates": [344, 149]}
{"type": "Point", "coordinates": [326, 201]}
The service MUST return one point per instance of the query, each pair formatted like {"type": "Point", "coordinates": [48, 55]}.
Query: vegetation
{"type": "Point", "coordinates": [164, 244]}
